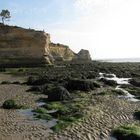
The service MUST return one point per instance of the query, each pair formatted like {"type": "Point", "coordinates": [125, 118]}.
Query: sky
{"type": "Point", "coordinates": [107, 28]}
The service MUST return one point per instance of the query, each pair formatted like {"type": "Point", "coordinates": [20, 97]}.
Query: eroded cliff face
{"type": "Point", "coordinates": [61, 52]}
{"type": "Point", "coordinates": [19, 46]}
{"type": "Point", "coordinates": [22, 46]}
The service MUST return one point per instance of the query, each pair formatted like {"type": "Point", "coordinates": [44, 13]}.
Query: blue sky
{"type": "Point", "coordinates": [37, 13]}
{"type": "Point", "coordinates": [107, 28]}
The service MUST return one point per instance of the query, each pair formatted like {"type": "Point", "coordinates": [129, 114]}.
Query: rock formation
{"type": "Point", "coordinates": [82, 56]}
{"type": "Point", "coordinates": [61, 52]}
{"type": "Point", "coordinates": [23, 46]}
{"type": "Point", "coordinates": [19, 46]}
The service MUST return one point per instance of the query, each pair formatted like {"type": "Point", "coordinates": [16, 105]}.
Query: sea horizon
{"type": "Point", "coordinates": [135, 60]}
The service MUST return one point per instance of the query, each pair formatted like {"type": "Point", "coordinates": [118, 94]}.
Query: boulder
{"type": "Point", "coordinates": [32, 80]}
{"type": "Point", "coordinates": [9, 104]}
{"type": "Point", "coordinates": [58, 94]}
{"type": "Point", "coordinates": [81, 84]}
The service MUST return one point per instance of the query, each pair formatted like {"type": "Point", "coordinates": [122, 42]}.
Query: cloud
{"type": "Point", "coordinates": [89, 6]}
{"type": "Point", "coordinates": [109, 29]}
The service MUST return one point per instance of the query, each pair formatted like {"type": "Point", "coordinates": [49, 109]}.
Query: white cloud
{"type": "Point", "coordinates": [109, 29]}
{"type": "Point", "coordinates": [89, 6]}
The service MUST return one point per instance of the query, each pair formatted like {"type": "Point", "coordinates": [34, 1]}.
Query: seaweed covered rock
{"type": "Point", "coordinates": [9, 104]}
{"type": "Point", "coordinates": [83, 85]}
{"type": "Point", "coordinates": [58, 94]}
{"type": "Point", "coordinates": [128, 132]}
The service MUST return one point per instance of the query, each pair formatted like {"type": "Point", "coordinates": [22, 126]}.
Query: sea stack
{"type": "Point", "coordinates": [82, 56]}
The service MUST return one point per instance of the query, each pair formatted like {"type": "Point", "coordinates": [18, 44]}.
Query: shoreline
{"type": "Point", "coordinates": [120, 60]}
{"type": "Point", "coordinates": [104, 112]}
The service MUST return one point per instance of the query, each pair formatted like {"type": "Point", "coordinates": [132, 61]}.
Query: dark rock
{"type": "Point", "coordinates": [2, 70]}
{"type": "Point", "coordinates": [32, 80]}
{"type": "Point", "coordinates": [16, 83]}
{"type": "Point", "coordinates": [37, 80]}
{"type": "Point", "coordinates": [137, 115]}
{"type": "Point", "coordinates": [58, 94]}
{"type": "Point", "coordinates": [108, 82]}
{"type": "Point", "coordinates": [82, 57]}
{"type": "Point", "coordinates": [92, 75]}
{"type": "Point", "coordinates": [135, 82]}
{"type": "Point", "coordinates": [9, 104]}
{"type": "Point", "coordinates": [42, 88]}
{"type": "Point", "coordinates": [5, 82]}
{"type": "Point", "coordinates": [83, 85]}
{"type": "Point", "coordinates": [134, 91]}
{"type": "Point", "coordinates": [127, 132]}
{"type": "Point", "coordinates": [119, 92]}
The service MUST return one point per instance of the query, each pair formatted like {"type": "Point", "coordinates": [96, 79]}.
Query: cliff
{"type": "Point", "coordinates": [61, 52]}
{"type": "Point", "coordinates": [23, 46]}
{"type": "Point", "coordinates": [19, 46]}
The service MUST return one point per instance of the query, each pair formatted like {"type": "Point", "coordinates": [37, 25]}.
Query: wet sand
{"type": "Point", "coordinates": [14, 126]}
{"type": "Point", "coordinates": [103, 114]}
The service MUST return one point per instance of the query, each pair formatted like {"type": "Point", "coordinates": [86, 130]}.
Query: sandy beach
{"type": "Point", "coordinates": [103, 114]}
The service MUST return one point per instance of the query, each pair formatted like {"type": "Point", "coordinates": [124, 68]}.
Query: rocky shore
{"type": "Point", "coordinates": [102, 108]}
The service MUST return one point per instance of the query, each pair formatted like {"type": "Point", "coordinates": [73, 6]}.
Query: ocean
{"type": "Point", "coordinates": [121, 60]}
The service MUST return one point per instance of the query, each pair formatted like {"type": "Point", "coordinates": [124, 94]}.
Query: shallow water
{"type": "Point", "coordinates": [127, 96]}
{"type": "Point", "coordinates": [31, 116]}
{"type": "Point", "coordinates": [40, 104]}
{"type": "Point", "coordinates": [112, 138]}
{"type": "Point", "coordinates": [120, 81]}
{"type": "Point", "coordinates": [28, 113]}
